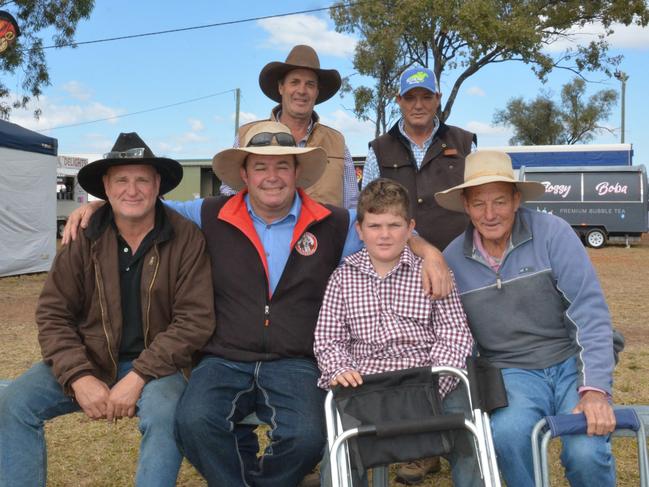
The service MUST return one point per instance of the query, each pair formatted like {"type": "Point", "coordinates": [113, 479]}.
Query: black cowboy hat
{"type": "Point", "coordinates": [129, 149]}
{"type": "Point", "coordinates": [300, 57]}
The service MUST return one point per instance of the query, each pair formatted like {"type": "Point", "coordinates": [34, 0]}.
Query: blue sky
{"type": "Point", "coordinates": [116, 78]}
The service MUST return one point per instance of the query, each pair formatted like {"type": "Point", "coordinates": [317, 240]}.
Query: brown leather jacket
{"type": "Point", "coordinates": [79, 313]}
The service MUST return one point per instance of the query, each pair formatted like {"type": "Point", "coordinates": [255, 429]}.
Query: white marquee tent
{"type": "Point", "coordinates": [27, 200]}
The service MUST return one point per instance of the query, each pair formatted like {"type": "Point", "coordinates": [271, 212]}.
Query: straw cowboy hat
{"type": "Point", "coordinates": [483, 167]}
{"type": "Point", "coordinates": [300, 57]}
{"type": "Point", "coordinates": [269, 139]}
{"type": "Point", "coordinates": [129, 149]}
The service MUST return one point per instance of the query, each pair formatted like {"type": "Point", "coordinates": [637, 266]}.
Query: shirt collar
{"type": "Point", "coordinates": [402, 129]}
{"type": "Point", "coordinates": [361, 260]}
{"type": "Point", "coordinates": [314, 118]}
{"type": "Point", "coordinates": [293, 213]}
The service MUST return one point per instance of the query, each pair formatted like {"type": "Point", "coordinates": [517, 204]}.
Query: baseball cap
{"type": "Point", "coordinates": [417, 77]}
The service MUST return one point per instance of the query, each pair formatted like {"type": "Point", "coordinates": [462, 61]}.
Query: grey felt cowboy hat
{"type": "Point", "coordinates": [483, 167]}
{"type": "Point", "coordinates": [269, 139]}
{"type": "Point", "coordinates": [129, 148]}
{"type": "Point", "coordinates": [300, 57]}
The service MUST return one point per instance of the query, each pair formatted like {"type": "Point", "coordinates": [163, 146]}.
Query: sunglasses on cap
{"type": "Point", "coordinates": [266, 138]}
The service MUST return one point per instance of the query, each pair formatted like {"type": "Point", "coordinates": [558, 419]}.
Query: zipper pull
{"type": "Point", "coordinates": [266, 315]}
{"type": "Point", "coordinates": [499, 283]}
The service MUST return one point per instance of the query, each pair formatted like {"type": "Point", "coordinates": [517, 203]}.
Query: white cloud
{"type": "Point", "coordinates": [246, 117]}
{"type": "Point", "coordinates": [624, 37]}
{"type": "Point", "coordinates": [77, 90]}
{"type": "Point", "coordinates": [485, 129]}
{"type": "Point", "coordinates": [167, 148]}
{"type": "Point", "coordinates": [348, 125]}
{"type": "Point", "coordinates": [57, 114]}
{"type": "Point", "coordinates": [475, 91]}
{"type": "Point", "coordinates": [286, 32]}
{"type": "Point", "coordinates": [191, 137]}
{"type": "Point", "coordinates": [196, 125]}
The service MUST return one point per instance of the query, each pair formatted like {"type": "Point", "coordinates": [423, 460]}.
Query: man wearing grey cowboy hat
{"type": "Point", "coordinates": [122, 310]}
{"type": "Point", "coordinates": [298, 84]}
{"type": "Point", "coordinates": [536, 310]}
{"type": "Point", "coordinates": [273, 249]}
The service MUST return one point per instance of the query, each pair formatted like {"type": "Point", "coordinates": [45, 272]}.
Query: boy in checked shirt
{"type": "Point", "coordinates": [376, 317]}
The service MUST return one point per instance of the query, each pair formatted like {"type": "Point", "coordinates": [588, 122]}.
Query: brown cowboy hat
{"type": "Point", "coordinates": [312, 160]}
{"type": "Point", "coordinates": [300, 57]}
{"type": "Point", "coordinates": [484, 167]}
{"type": "Point", "coordinates": [129, 148]}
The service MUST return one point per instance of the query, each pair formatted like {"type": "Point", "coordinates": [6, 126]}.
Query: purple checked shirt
{"type": "Point", "coordinates": [372, 324]}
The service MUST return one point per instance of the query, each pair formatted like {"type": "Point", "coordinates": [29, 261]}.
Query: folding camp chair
{"type": "Point", "coordinates": [345, 442]}
{"type": "Point", "coordinates": [631, 421]}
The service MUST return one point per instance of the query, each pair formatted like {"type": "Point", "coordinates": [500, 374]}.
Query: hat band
{"type": "Point", "coordinates": [135, 153]}
{"type": "Point", "coordinates": [481, 174]}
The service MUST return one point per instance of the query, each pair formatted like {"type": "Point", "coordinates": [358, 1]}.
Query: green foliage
{"type": "Point", "coordinates": [542, 121]}
{"type": "Point", "coordinates": [462, 37]}
{"type": "Point", "coordinates": [59, 19]}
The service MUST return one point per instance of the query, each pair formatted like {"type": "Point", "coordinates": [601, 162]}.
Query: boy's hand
{"type": "Point", "coordinates": [348, 378]}
{"type": "Point", "coordinates": [79, 217]}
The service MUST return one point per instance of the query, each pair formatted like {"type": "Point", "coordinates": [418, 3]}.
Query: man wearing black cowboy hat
{"type": "Point", "coordinates": [298, 84]}
{"type": "Point", "coordinates": [122, 311]}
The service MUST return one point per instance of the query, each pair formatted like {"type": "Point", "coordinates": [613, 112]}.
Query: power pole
{"type": "Point", "coordinates": [623, 77]}
{"type": "Point", "coordinates": [237, 98]}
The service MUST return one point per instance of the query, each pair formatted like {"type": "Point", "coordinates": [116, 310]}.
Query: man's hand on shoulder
{"type": "Point", "coordinates": [435, 275]}
{"type": "Point", "coordinates": [79, 217]}
{"type": "Point", "coordinates": [92, 395]}
{"type": "Point", "coordinates": [123, 397]}
{"type": "Point", "coordinates": [599, 412]}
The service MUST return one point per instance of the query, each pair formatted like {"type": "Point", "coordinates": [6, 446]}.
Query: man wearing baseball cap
{"type": "Point", "coordinates": [122, 310]}
{"type": "Point", "coordinates": [426, 156]}
{"type": "Point", "coordinates": [297, 85]}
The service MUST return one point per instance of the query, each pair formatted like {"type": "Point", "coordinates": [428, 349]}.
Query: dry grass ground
{"type": "Point", "coordinates": [87, 453]}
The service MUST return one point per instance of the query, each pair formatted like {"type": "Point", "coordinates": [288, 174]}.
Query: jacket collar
{"type": "Point", "coordinates": [520, 233]}
{"type": "Point", "coordinates": [104, 218]}
{"type": "Point", "coordinates": [396, 133]}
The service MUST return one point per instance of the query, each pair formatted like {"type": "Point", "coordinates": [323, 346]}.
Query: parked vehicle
{"type": "Point", "coordinates": [69, 194]}
{"type": "Point", "coordinates": [603, 204]}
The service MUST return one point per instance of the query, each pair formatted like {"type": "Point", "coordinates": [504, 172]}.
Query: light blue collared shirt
{"type": "Point", "coordinates": [275, 237]}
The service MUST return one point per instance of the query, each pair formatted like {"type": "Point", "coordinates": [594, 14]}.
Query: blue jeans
{"type": "Point", "coordinates": [283, 393]}
{"type": "Point", "coordinates": [36, 396]}
{"type": "Point", "coordinates": [464, 464]}
{"type": "Point", "coordinates": [533, 394]}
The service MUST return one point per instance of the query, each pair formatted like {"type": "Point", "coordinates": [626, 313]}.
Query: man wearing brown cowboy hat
{"type": "Point", "coordinates": [122, 310]}
{"type": "Point", "coordinates": [536, 309]}
{"type": "Point", "coordinates": [298, 84]}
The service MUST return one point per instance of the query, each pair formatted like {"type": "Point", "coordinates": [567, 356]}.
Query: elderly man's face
{"type": "Point", "coordinates": [271, 184]}
{"type": "Point", "coordinates": [299, 90]}
{"type": "Point", "coordinates": [132, 191]}
{"type": "Point", "coordinates": [491, 208]}
{"type": "Point", "coordinates": [418, 108]}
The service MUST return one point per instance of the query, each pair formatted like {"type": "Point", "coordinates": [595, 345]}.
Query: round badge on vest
{"type": "Point", "coordinates": [307, 245]}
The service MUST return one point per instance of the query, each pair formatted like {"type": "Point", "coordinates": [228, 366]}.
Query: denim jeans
{"type": "Point", "coordinates": [283, 393]}
{"type": "Point", "coordinates": [536, 393]}
{"type": "Point", "coordinates": [36, 396]}
{"type": "Point", "coordinates": [464, 464]}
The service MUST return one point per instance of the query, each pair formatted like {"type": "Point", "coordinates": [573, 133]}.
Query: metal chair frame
{"type": "Point", "coordinates": [541, 437]}
{"type": "Point", "coordinates": [339, 459]}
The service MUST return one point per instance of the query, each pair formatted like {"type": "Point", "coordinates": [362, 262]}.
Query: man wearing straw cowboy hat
{"type": "Point", "coordinates": [536, 309]}
{"type": "Point", "coordinates": [273, 249]}
{"type": "Point", "coordinates": [298, 84]}
{"type": "Point", "coordinates": [122, 310]}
